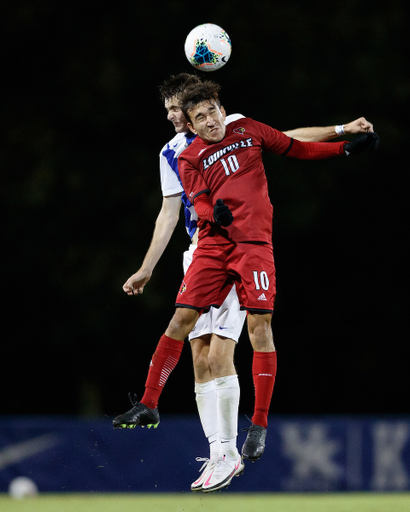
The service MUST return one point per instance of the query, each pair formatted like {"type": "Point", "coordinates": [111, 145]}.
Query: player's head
{"type": "Point", "coordinates": [170, 92]}
{"type": "Point", "coordinates": [200, 104]}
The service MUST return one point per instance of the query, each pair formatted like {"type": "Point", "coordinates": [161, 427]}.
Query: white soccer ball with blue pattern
{"type": "Point", "coordinates": [208, 47]}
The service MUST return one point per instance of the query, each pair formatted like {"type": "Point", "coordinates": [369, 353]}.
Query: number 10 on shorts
{"type": "Point", "coordinates": [261, 280]}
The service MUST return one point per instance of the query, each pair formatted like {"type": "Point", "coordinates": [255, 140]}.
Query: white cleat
{"type": "Point", "coordinates": [207, 466]}
{"type": "Point", "coordinates": [222, 473]}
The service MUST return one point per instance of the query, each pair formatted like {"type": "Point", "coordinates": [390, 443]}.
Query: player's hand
{"type": "Point", "coordinates": [367, 142]}
{"type": "Point", "coordinates": [360, 125]}
{"type": "Point", "coordinates": [222, 214]}
{"type": "Point", "coordinates": [135, 284]}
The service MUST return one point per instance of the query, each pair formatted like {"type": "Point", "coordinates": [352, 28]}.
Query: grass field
{"type": "Point", "coordinates": [218, 502]}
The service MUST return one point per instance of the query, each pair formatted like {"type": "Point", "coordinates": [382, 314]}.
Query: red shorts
{"type": "Point", "coordinates": [215, 268]}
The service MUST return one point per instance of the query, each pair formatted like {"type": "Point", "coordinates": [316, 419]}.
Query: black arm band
{"type": "Point", "coordinates": [206, 191]}
{"type": "Point", "coordinates": [289, 148]}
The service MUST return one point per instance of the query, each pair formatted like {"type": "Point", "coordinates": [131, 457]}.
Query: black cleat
{"type": "Point", "coordinates": [140, 415]}
{"type": "Point", "coordinates": [254, 444]}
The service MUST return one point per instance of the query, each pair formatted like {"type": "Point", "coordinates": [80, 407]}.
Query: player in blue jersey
{"type": "Point", "coordinates": [216, 333]}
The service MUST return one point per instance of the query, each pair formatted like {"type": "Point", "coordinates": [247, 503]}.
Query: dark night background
{"type": "Point", "coordinates": [82, 126]}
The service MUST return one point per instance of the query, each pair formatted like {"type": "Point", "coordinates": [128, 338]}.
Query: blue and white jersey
{"type": "Point", "coordinates": [170, 180]}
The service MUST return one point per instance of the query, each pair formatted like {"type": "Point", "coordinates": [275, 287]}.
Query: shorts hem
{"type": "Point", "coordinates": [258, 311]}
{"type": "Point", "coordinates": [205, 332]}
{"type": "Point", "coordinates": [205, 308]}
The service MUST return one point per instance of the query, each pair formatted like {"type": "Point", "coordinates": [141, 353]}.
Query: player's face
{"type": "Point", "coordinates": [175, 115]}
{"type": "Point", "coordinates": [208, 122]}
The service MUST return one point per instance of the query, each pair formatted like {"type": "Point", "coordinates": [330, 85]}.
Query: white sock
{"type": "Point", "coordinates": [205, 396]}
{"type": "Point", "coordinates": [227, 392]}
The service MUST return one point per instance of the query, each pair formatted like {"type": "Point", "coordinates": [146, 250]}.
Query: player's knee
{"type": "Point", "coordinates": [214, 364]}
{"type": "Point", "coordinates": [221, 365]}
{"type": "Point", "coordinates": [201, 368]}
{"type": "Point", "coordinates": [182, 323]}
{"type": "Point", "coordinates": [260, 332]}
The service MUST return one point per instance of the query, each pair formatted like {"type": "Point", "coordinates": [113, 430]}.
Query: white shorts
{"type": "Point", "coordinates": [226, 321]}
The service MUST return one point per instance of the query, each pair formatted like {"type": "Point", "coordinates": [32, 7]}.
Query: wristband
{"type": "Point", "coordinates": [340, 129]}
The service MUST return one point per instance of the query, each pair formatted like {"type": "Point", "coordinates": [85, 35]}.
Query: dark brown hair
{"type": "Point", "coordinates": [197, 93]}
{"type": "Point", "coordinates": [177, 84]}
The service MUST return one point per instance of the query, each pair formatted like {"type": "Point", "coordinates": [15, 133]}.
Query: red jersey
{"type": "Point", "coordinates": [232, 170]}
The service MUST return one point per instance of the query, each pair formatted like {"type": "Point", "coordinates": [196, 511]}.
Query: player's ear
{"type": "Point", "coordinates": [190, 126]}
{"type": "Point", "coordinates": [221, 108]}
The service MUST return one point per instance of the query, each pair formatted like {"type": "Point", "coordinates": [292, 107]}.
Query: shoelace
{"type": "Point", "coordinates": [253, 431]}
{"type": "Point", "coordinates": [133, 399]}
{"type": "Point", "coordinates": [206, 461]}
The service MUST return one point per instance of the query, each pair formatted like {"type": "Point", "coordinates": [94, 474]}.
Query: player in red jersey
{"type": "Point", "coordinates": [223, 175]}
{"type": "Point", "coordinates": [226, 265]}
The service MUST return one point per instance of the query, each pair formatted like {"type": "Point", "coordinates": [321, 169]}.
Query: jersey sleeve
{"type": "Point", "coordinates": [272, 140]}
{"type": "Point", "coordinates": [277, 142]}
{"type": "Point", "coordinates": [315, 150]}
{"type": "Point", "coordinates": [204, 208]}
{"type": "Point", "coordinates": [170, 184]}
{"type": "Point", "coordinates": [192, 180]}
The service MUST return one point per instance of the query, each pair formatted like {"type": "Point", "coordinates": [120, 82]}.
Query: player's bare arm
{"type": "Point", "coordinates": [324, 133]}
{"type": "Point", "coordinates": [164, 227]}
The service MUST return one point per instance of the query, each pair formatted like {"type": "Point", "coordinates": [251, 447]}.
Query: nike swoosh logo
{"type": "Point", "coordinates": [209, 478]}
{"type": "Point", "coordinates": [222, 328]}
{"type": "Point", "coordinates": [236, 468]}
{"type": "Point", "coordinates": [20, 451]}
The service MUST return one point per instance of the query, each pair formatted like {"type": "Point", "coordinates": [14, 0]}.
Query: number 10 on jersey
{"type": "Point", "coordinates": [230, 165]}
{"type": "Point", "coordinates": [261, 280]}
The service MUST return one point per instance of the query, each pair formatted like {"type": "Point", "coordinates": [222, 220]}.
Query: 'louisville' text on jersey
{"type": "Point", "coordinates": [246, 143]}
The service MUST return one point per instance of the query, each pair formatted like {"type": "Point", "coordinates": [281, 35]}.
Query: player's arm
{"type": "Point", "coordinates": [324, 133]}
{"type": "Point", "coordinates": [164, 227]}
{"type": "Point", "coordinates": [197, 190]}
{"type": "Point", "coordinates": [320, 150]}
{"type": "Point", "coordinates": [218, 213]}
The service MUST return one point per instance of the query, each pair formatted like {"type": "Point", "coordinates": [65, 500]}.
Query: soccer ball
{"type": "Point", "coordinates": [208, 47]}
{"type": "Point", "coordinates": [22, 487]}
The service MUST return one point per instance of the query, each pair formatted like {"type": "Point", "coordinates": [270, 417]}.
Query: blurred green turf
{"type": "Point", "coordinates": [215, 502]}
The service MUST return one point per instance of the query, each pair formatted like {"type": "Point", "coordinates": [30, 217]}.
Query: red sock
{"type": "Point", "coordinates": [264, 373]}
{"type": "Point", "coordinates": [163, 361]}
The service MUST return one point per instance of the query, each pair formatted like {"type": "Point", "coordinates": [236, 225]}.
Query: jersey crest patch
{"type": "Point", "coordinates": [239, 130]}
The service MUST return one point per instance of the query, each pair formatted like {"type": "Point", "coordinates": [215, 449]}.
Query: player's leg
{"type": "Point", "coordinates": [164, 360]}
{"type": "Point", "coordinates": [226, 386]}
{"type": "Point", "coordinates": [221, 363]}
{"type": "Point", "coordinates": [227, 323]}
{"type": "Point", "coordinates": [217, 394]}
{"type": "Point", "coordinates": [264, 374]}
{"type": "Point", "coordinates": [257, 291]}
{"type": "Point", "coordinates": [263, 365]}
{"type": "Point", "coordinates": [214, 370]}
{"type": "Point", "coordinates": [215, 360]}
{"type": "Point", "coordinates": [199, 290]}
{"type": "Point", "coordinates": [205, 396]}
{"type": "Point", "coordinates": [205, 390]}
